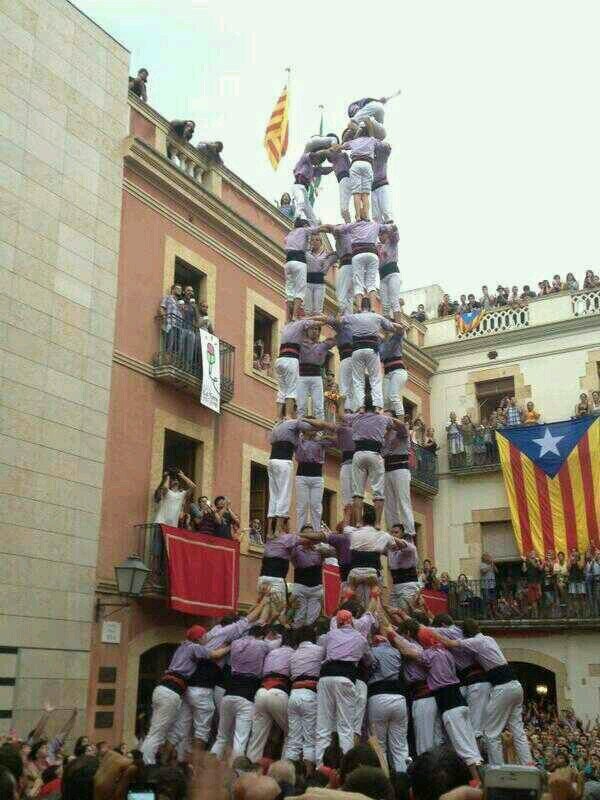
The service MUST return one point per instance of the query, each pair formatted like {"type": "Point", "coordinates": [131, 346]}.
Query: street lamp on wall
{"type": "Point", "coordinates": [541, 689]}
{"type": "Point", "coordinates": [131, 576]}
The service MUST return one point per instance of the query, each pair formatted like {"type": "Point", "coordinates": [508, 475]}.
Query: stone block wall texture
{"type": "Point", "coordinates": [63, 116]}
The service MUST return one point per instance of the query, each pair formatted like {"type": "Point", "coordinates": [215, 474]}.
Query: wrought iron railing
{"type": "Point", "coordinates": [152, 549]}
{"type": "Point", "coordinates": [179, 350]}
{"type": "Point", "coordinates": [498, 320]}
{"type": "Point", "coordinates": [474, 456]}
{"type": "Point", "coordinates": [586, 303]}
{"type": "Point", "coordinates": [523, 601]}
{"type": "Point", "coordinates": [424, 468]}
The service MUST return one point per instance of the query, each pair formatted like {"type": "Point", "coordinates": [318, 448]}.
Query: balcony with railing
{"type": "Point", "coordinates": [179, 358]}
{"type": "Point", "coordinates": [587, 303]}
{"type": "Point", "coordinates": [522, 605]}
{"type": "Point", "coordinates": [424, 470]}
{"type": "Point", "coordinates": [474, 459]}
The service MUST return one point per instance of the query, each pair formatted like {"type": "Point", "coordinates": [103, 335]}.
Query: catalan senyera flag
{"type": "Point", "coordinates": [552, 478]}
{"type": "Point", "coordinates": [468, 321]}
{"type": "Point", "coordinates": [276, 135]}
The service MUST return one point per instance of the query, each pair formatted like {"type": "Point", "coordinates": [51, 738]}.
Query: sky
{"type": "Point", "coordinates": [495, 165]}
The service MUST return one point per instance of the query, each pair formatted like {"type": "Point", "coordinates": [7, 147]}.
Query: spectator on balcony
{"type": "Point", "coordinates": [583, 407]}
{"type": "Point", "coordinates": [527, 294]}
{"type": "Point", "coordinates": [256, 532]}
{"type": "Point", "coordinates": [204, 321]}
{"type": "Point", "coordinates": [561, 574]}
{"type": "Point", "coordinates": [513, 412]}
{"type": "Point", "coordinates": [456, 446]}
{"type": "Point", "coordinates": [590, 280]}
{"type": "Point", "coordinates": [183, 128]}
{"type": "Point", "coordinates": [205, 517]}
{"type": "Point", "coordinates": [420, 314]}
{"type": "Point", "coordinates": [429, 442]}
{"type": "Point", "coordinates": [137, 85]}
{"type": "Point", "coordinates": [464, 593]}
{"type": "Point", "coordinates": [571, 283]}
{"type": "Point", "coordinates": [189, 313]}
{"type": "Point", "coordinates": [514, 299]}
{"type": "Point", "coordinates": [425, 574]}
{"type": "Point", "coordinates": [468, 434]}
{"type": "Point", "coordinates": [472, 303]}
{"type": "Point", "coordinates": [531, 416]}
{"type": "Point", "coordinates": [595, 403]}
{"type": "Point", "coordinates": [211, 151]}
{"type": "Point", "coordinates": [549, 590]}
{"type": "Point", "coordinates": [489, 438]}
{"type": "Point", "coordinates": [172, 316]}
{"type": "Point", "coordinates": [170, 497]}
{"type": "Point", "coordinates": [418, 431]}
{"type": "Point", "coordinates": [501, 296]}
{"type": "Point", "coordinates": [229, 523]}
{"type": "Point", "coordinates": [259, 352]}
{"type": "Point", "coordinates": [479, 446]}
{"type": "Point", "coordinates": [533, 569]}
{"type": "Point", "coordinates": [557, 284]}
{"type": "Point", "coordinates": [486, 300]}
{"type": "Point", "coordinates": [285, 206]}
{"type": "Point", "coordinates": [576, 581]}
{"type": "Point", "coordinates": [447, 307]}
{"type": "Point", "coordinates": [487, 579]}
{"type": "Point", "coordinates": [463, 305]}
{"type": "Point", "coordinates": [444, 583]}
{"type": "Point", "coordinates": [544, 288]}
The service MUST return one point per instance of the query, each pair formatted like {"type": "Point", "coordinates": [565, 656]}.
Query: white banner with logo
{"type": "Point", "coordinates": [210, 391]}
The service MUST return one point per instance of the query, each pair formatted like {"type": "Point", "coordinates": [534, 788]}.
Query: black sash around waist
{"type": "Point", "coordinates": [368, 159]}
{"type": "Point", "coordinates": [225, 675]}
{"type": "Point", "coordinates": [404, 575]}
{"type": "Point", "coordinates": [295, 255]}
{"type": "Point", "coordinates": [471, 675]}
{"type": "Point", "coordinates": [274, 567]}
{"type": "Point", "coordinates": [392, 364]}
{"type": "Point", "coordinates": [347, 456]}
{"type": "Point", "coordinates": [284, 451]}
{"type": "Point", "coordinates": [340, 669]}
{"type": "Point", "coordinates": [315, 277]}
{"type": "Point", "coordinates": [364, 247]}
{"type": "Point", "coordinates": [387, 686]}
{"type": "Point", "coordinates": [392, 463]}
{"type": "Point", "coordinates": [345, 351]}
{"type": "Point", "coordinates": [175, 682]}
{"type": "Point", "coordinates": [365, 558]}
{"type": "Point", "coordinates": [344, 571]}
{"type": "Point", "coordinates": [449, 697]}
{"type": "Point", "coordinates": [499, 675]}
{"type": "Point", "coordinates": [242, 685]}
{"type": "Point", "coordinates": [308, 576]}
{"type": "Point", "coordinates": [388, 269]}
{"type": "Point", "coordinates": [346, 259]}
{"type": "Point", "coordinates": [369, 445]}
{"type": "Point", "coordinates": [365, 342]}
{"type": "Point", "coordinates": [310, 370]}
{"type": "Point", "coordinates": [289, 350]}
{"type": "Point", "coordinates": [309, 470]}
{"type": "Point", "coordinates": [379, 183]}
{"type": "Point", "coordinates": [341, 175]}
{"type": "Point", "coordinates": [206, 676]}
{"type": "Point", "coordinates": [418, 691]}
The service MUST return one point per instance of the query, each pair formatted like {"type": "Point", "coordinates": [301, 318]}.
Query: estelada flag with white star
{"type": "Point", "coordinates": [552, 478]}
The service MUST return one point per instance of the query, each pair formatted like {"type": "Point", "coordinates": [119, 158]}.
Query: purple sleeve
{"type": "Point", "coordinates": [323, 170]}
{"type": "Point", "coordinates": [385, 323]}
{"type": "Point", "coordinates": [330, 260]}
{"type": "Point", "coordinates": [303, 426]}
{"type": "Point", "coordinates": [383, 147]}
{"type": "Point", "coordinates": [347, 228]}
{"type": "Point", "coordinates": [200, 652]}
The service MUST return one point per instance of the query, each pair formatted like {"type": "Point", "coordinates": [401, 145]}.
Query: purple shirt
{"type": "Point", "coordinates": [382, 153]}
{"type": "Point", "coordinates": [462, 658]}
{"type": "Point", "coordinates": [343, 330]}
{"type": "Point", "coordinates": [343, 243]}
{"type": "Point", "coordinates": [440, 666]}
{"type": "Point", "coordinates": [315, 352]}
{"type": "Point", "coordinates": [403, 558]}
{"type": "Point", "coordinates": [344, 436]}
{"type": "Point", "coordinates": [293, 332]}
{"type": "Point", "coordinates": [368, 323]}
{"type": "Point", "coordinates": [248, 654]}
{"type": "Point", "coordinates": [388, 250]}
{"type": "Point", "coordinates": [221, 635]}
{"type": "Point", "coordinates": [486, 651]}
{"type": "Point", "coordinates": [306, 660]}
{"type": "Point", "coordinates": [321, 262]}
{"type": "Point", "coordinates": [363, 625]}
{"type": "Point", "coordinates": [396, 443]}
{"type": "Point", "coordinates": [309, 451]}
{"type": "Point", "coordinates": [186, 656]}
{"type": "Point", "coordinates": [361, 147]}
{"type": "Point", "coordinates": [305, 557]}
{"type": "Point", "coordinates": [363, 230]}
{"type": "Point", "coordinates": [282, 546]}
{"type": "Point", "coordinates": [305, 170]}
{"type": "Point", "coordinates": [391, 348]}
{"type": "Point", "coordinates": [289, 431]}
{"type": "Point", "coordinates": [341, 543]}
{"type": "Point", "coordinates": [345, 644]}
{"type": "Point", "coordinates": [370, 425]}
{"type": "Point", "coordinates": [414, 670]}
{"type": "Point", "coordinates": [340, 162]}
{"type": "Point", "coordinates": [278, 661]}
{"type": "Point", "coordinates": [297, 238]}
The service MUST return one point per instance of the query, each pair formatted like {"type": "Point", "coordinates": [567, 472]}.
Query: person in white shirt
{"type": "Point", "coordinates": [169, 499]}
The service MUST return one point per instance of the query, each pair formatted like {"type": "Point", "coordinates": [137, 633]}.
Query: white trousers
{"type": "Point", "coordinates": [235, 725]}
{"type": "Point", "coordinates": [302, 725]}
{"type": "Point", "coordinates": [393, 384]}
{"type": "Point", "coordinates": [388, 716]}
{"type": "Point", "coordinates": [360, 707]}
{"type": "Point", "coordinates": [270, 706]}
{"type": "Point", "coordinates": [314, 297]}
{"type": "Point", "coordinates": [381, 200]}
{"type": "Point", "coordinates": [361, 177]}
{"type": "Point", "coordinates": [295, 280]}
{"type": "Point", "coordinates": [311, 386]}
{"type": "Point", "coordinates": [277, 586]}
{"type": "Point", "coordinates": [302, 204]}
{"type": "Point", "coordinates": [346, 483]}
{"type": "Point", "coordinates": [286, 370]}
{"type": "Point", "coordinates": [308, 608]}
{"type": "Point", "coordinates": [280, 472]}
{"type": "Point", "coordinates": [346, 384]}
{"type": "Point", "coordinates": [505, 710]}
{"type": "Point", "coordinates": [344, 288]}
{"type": "Point", "coordinates": [362, 589]}
{"type": "Point", "coordinates": [345, 194]}
{"type": "Point", "coordinates": [201, 701]}
{"type": "Point", "coordinates": [336, 698]}
{"type": "Point", "coordinates": [477, 696]}
{"type": "Point", "coordinates": [165, 706]}
{"type": "Point", "coordinates": [389, 289]}
{"type": "Point", "coordinates": [309, 500]}
{"type": "Point", "coordinates": [460, 732]}
{"type": "Point", "coordinates": [365, 271]}
{"type": "Point", "coordinates": [366, 360]}
{"type": "Point", "coordinates": [180, 732]}
{"type": "Point", "coordinates": [402, 593]}
{"type": "Point", "coordinates": [368, 466]}
{"type": "Point", "coordinates": [374, 109]}
{"type": "Point", "coordinates": [427, 724]}
{"type": "Point", "coordinates": [398, 507]}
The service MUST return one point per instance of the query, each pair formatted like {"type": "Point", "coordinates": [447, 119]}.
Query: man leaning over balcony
{"type": "Point", "coordinates": [172, 319]}
{"type": "Point", "coordinates": [169, 499]}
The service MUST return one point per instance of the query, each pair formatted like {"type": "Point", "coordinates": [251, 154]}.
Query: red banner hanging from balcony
{"type": "Point", "coordinates": [203, 572]}
{"type": "Point", "coordinates": [436, 602]}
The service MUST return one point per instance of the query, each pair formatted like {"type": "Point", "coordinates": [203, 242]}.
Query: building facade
{"type": "Point", "coordinates": [64, 115]}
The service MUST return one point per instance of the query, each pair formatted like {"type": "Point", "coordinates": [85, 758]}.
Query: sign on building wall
{"type": "Point", "coordinates": [210, 391]}
{"type": "Point", "coordinates": [111, 632]}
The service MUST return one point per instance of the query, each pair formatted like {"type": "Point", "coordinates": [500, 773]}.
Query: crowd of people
{"type": "Point", "coordinates": [515, 297]}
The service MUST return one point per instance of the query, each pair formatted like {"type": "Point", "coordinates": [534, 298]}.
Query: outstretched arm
{"type": "Point", "coordinates": [39, 729]}
{"type": "Point", "coordinates": [68, 726]}
{"type": "Point", "coordinates": [217, 655]}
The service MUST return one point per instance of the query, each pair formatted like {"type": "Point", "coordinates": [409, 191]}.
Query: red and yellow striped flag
{"type": "Point", "coordinates": [552, 479]}
{"type": "Point", "coordinates": [276, 135]}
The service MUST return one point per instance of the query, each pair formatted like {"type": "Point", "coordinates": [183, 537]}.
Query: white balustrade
{"type": "Point", "coordinates": [498, 320]}
{"type": "Point", "coordinates": [586, 303]}
{"type": "Point", "coordinates": [188, 162]}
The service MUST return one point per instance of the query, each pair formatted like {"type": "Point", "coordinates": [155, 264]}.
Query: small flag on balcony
{"type": "Point", "coordinates": [276, 135]}
{"type": "Point", "coordinates": [552, 479]}
{"type": "Point", "coordinates": [467, 321]}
